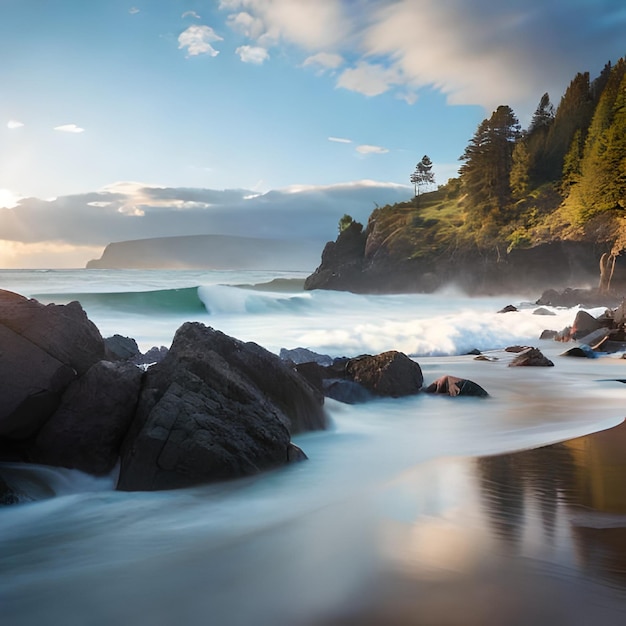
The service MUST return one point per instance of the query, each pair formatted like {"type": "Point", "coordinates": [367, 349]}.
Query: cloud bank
{"type": "Point", "coordinates": [473, 51]}
{"type": "Point", "coordinates": [125, 211]}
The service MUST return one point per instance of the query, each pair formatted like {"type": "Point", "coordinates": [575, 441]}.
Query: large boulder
{"type": "Point", "coordinates": [31, 384]}
{"type": "Point", "coordinates": [43, 349]}
{"type": "Point", "coordinates": [390, 373]}
{"type": "Point", "coordinates": [61, 330]}
{"type": "Point", "coordinates": [215, 408]}
{"type": "Point", "coordinates": [96, 410]}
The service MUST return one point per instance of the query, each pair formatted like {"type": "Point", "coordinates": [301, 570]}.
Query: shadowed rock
{"type": "Point", "coordinates": [61, 330]}
{"type": "Point", "coordinates": [87, 430]}
{"type": "Point", "coordinates": [453, 386]}
{"type": "Point", "coordinates": [215, 408]}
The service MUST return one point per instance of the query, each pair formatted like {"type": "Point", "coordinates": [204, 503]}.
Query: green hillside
{"type": "Point", "coordinates": [561, 179]}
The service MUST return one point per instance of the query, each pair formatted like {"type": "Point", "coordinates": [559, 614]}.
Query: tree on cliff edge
{"type": "Point", "coordinates": [422, 175]}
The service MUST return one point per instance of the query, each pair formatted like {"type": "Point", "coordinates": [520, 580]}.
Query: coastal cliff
{"type": "Point", "coordinates": [362, 261]}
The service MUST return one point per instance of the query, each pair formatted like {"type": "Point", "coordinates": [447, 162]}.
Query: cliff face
{"type": "Point", "coordinates": [209, 252]}
{"type": "Point", "coordinates": [361, 261]}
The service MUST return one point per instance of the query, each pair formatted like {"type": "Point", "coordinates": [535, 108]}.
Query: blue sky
{"type": "Point", "coordinates": [266, 94]}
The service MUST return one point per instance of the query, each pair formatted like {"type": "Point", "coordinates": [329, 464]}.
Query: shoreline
{"type": "Point", "coordinates": [535, 536]}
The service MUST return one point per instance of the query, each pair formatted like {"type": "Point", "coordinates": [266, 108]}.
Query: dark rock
{"type": "Point", "coordinates": [31, 384]}
{"type": "Point", "coordinates": [574, 297]}
{"type": "Point", "coordinates": [543, 311]}
{"type": "Point", "coordinates": [346, 391]}
{"type": "Point", "coordinates": [581, 351]}
{"type": "Point", "coordinates": [342, 261]}
{"type": "Point", "coordinates": [63, 331]}
{"type": "Point", "coordinates": [515, 349]}
{"type": "Point", "coordinates": [595, 338]}
{"type": "Point", "coordinates": [304, 355]}
{"type": "Point", "coordinates": [119, 348]}
{"type": "Point", "coordinates": [87, 430]}
{"type": "Point", "coordinates": [295, 454]}
{"type": "Point", "coordinates": [548, 334]}
{"type": "Point", "coordinates": [390, 373]}
{"type": "Point", "coordinates": [453, 386]}
{"type": "Point", "coordinates": [584, 324]}
{"type": "Point", "coordinates": [474, 352]}
{"type": "Point", "coordinates": [153, 355]}
{"type": "Point", "coordinates": [509, 308]}
{"type": "Point", "coordinates": [531, 357]}
{"type": "Point", "coordinates": [215, 408]}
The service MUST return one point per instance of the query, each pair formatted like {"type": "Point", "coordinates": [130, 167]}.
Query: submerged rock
{"type": "Point", "coordinates": [532, 357]}
{"type": "Point", "coordinates": [453, 386]}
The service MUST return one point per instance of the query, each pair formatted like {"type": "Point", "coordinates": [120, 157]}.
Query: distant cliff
{"type": "Point", "coordinates": [218, 252]}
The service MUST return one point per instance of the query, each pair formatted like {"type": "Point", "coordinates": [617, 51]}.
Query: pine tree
{"type": "Point", "coordinates": [485, 174]}
{"type": "Point", "coordinates": [423, 174]}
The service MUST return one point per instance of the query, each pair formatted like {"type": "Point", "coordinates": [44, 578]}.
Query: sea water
{"type": "Point", "coordinates": [291, 545]}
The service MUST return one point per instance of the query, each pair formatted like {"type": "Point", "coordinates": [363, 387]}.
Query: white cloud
{"type": "Point", "coordinates": [12, 124]}
{"type": "Point", "coordinates": [198, 40]}
{"type": "Point", "coordinates": [246, 24]}
{"type": "Point", "coordinates": [324, 61]}
{"type": "Point", "coordinates": [133, 10]}
{"type": "Point", "coordinates": [191, 14]}
{"type": "Point", "coordinates": [252, 54]}
{"type": "Point", "coordinates": [69, 128]}
{"type": "Point", "coordinates": [370, 79]}
{"type": "Point", "coordinates": [367, 149]}
{"type": "Point", "coordinates": [473, 51]}
{"type": "Point", "coordinates": [339, 140]}
{"type": "Point", "coordinates": [312, 24]}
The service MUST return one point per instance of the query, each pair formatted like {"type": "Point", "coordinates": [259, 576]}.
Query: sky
{"type": "Point", "coordinates": [114, 113]}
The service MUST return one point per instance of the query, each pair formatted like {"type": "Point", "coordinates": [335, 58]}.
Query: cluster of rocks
{"type": "Point", "coordinates": [359, 379]}
{"type": "Point", "coordinates": [211, 408]}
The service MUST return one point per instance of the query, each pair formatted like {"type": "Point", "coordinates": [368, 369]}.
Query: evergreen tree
{"type": "Point", "coordinates": [601, 182]}
{"type": "Point", "coordinates": [423, 174]}
{"type": "Point", "coordinates": [536, 136]}
{"type": "Point", "coordinates": [485, 173]}
{"type": "Point", "coordinates": [573, 113]}
{"type": "Point", "coordinates": [520, 170]}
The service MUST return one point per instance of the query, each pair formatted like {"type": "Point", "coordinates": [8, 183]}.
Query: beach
{"type": "Point", "coordinates": [419, 510]}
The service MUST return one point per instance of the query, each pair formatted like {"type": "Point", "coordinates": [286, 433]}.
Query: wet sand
{"type": "Point", "coordinates": [534, 537]}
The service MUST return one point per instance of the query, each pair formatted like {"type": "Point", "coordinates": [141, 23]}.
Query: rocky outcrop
{"type": "Point", "coordinates": [375, 261]}
{"type": "Point", "coordinates": [215, 408]}
{"type": "Point", "coordinates": [342, 263]}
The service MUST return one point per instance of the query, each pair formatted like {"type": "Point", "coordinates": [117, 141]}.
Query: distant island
{"type": "Point", "coordinates": [219, 252]}
{"type": "Point", "coordinates": [543, 207]}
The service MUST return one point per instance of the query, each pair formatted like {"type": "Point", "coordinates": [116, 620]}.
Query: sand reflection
{"type": "Point", "coordinates": [533, 537]}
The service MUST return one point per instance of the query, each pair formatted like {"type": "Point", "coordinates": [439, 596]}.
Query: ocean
{"type": "Point", "coordinates": [406, 510]}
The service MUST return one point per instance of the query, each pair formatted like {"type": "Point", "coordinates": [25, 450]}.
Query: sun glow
{"type": "Point", "coordinates": [8, 199]}
{"type": "Point", "coordinates": [45, 255]}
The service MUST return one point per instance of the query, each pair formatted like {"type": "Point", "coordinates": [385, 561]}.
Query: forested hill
{"type": "Point", "coordinates": [555, 191]}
